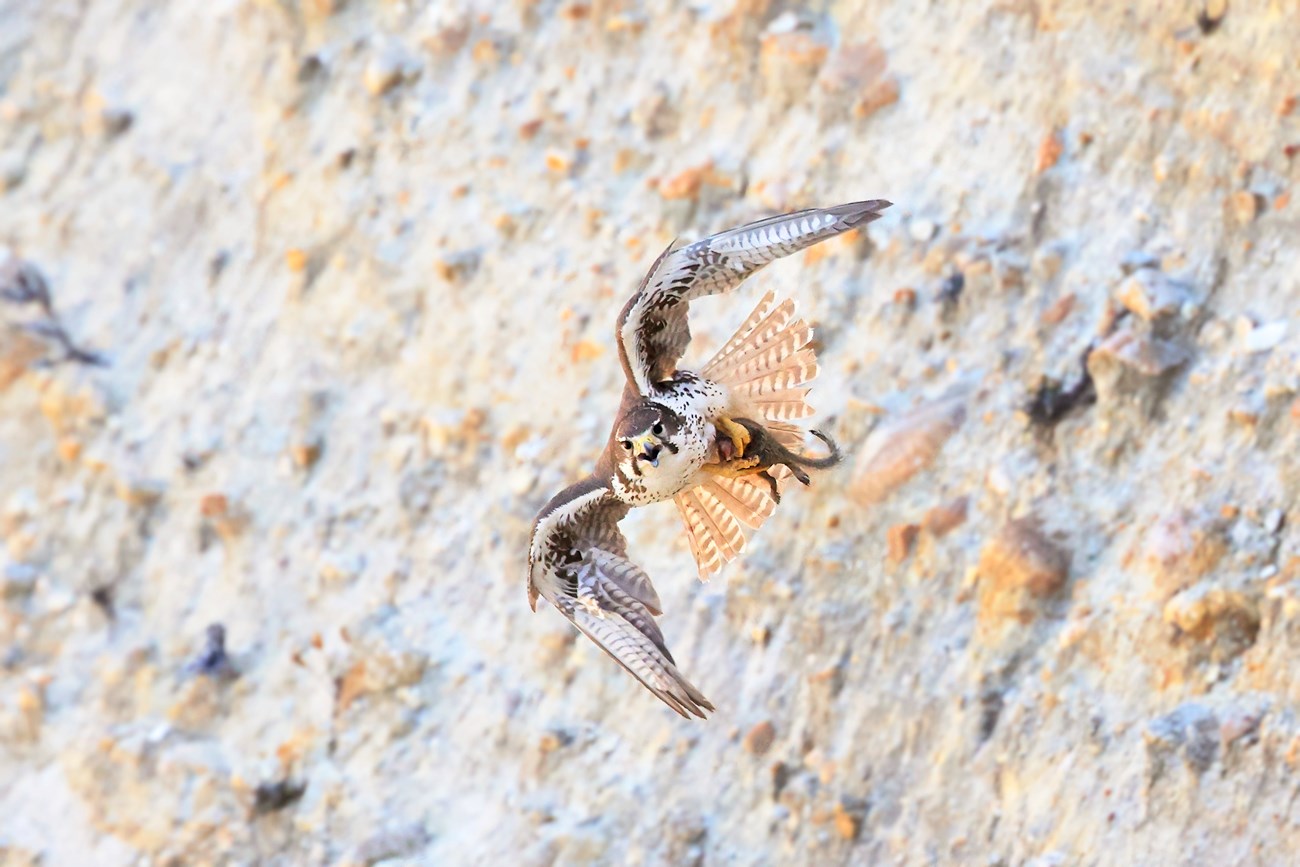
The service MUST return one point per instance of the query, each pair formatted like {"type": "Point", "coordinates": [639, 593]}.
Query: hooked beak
{"type": "Point", "coordinates": [647, 448]}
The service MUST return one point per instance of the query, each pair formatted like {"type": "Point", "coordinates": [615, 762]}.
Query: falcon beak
{"type": "Point", "coordinates": [647, 448]}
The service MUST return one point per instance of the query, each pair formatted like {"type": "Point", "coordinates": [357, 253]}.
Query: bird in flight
{"type": "Point", "coordinates": [682, 435]}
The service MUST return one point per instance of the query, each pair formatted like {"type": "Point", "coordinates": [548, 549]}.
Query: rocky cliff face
{"type": "Point", "coordinates": [332, 288]}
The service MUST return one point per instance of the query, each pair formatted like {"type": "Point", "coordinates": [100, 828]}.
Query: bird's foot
{"type": "Point", "coordinates": [735, 468]}
{"type": "Point", "coordinates": [736, 432]}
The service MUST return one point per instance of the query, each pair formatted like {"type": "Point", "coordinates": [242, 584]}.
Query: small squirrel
{"type": "Point", "coordinates": [764, 452]}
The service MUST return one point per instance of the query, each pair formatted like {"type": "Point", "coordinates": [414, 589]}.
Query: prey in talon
{"type": "Point", "coordinates": [752, 395]}
{"type": "Point", "coordinates": [763, 451]}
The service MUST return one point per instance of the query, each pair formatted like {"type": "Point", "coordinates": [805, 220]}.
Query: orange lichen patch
{"type": "Point", "coordinates": [850, 240]}
{"type": "Point", "coordinates": [877, 97]}
{"type": "Point", "coordinates": [1281, 201]}
{"type": "Point", "coordinates": [1244, 205]}
{"type": "Point", "coordinates": [624, 24]}
{"type": "Point", "coordinates": [18, 351]}
{"type": "Point", "coordinates": [558, 162]}
{"type": "Point", "coordinates": [900, 538]}
{"type": "Point", "coordinates": [485, 51]}
{"type": "Point", "coordinates": [685, 184]}
{"type": "Point", "coordinates": [1179, 549]}
{"type": "Point", "coordinates": [64, 408]}
{"type": "Point", "coordinates": [794, 47]}
{"type": "Point", "coordinates": [282, 180]}
{"type": "Point", "coordinates": [1059, 309]}
{"type": "Point", "coordinates": [1287, 105]}
{"type": "Point", "coordinates": [945, 517]}
{"type": "Point", "coordinates": [352, 685]}
{"type": "Point", "coordinates": [69, 449]}
{"type": "Point", "coordinates": [905, 296]}
{"type": "Point", "coordinates": [306, 453]}
{"type": "Point", "coordinates": [816, 253]}
{"type": "Point", "coordinates": [296, 259]}
{"type": "Point", "coordinates": [730, 28]}
{"type": "Point", "coordinates": [1293, 753]}
{"type": "Point", "coordinates": [624, 158]}
{"type": "Point", "coordinates": [1049, 152]}
{"type": "Point", "coordinates": [759, 739]}
{"type": "Point", "coordinates": [290, 751]}
{"type": "Point", "coordinates": [586, 350]}
{"type": "Point", "coordinates": [504, 223]}
{"type": "Point", "coordinates": [847, 824]}
{"type": "Point", "coordinates": [213, 505]}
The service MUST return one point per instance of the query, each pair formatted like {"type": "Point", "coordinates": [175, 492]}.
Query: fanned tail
{"type": "Point", "coordinates": [718, 512]}
{"type": "Point", "coordinates": [767, 360]}
{"type": "Point", "coordinates": [765, 365]}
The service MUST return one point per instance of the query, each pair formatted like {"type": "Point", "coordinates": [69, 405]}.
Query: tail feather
{"type": "Point", "coordinates": [722, 524]}
{"type": "Point", "coordinates": [768, 352]}
{"type": "Point", "coordinates": [765, 365]}
{"type": "Point", "coordinates": [784, 405]}
{"type": "Point", "coordinates": [750, 505]}
{"type": "Point", "coordinates": [714, 533]}
{"type": "Point", "coordinates": [799, 368]}
{"type": "Point", "coordinates": [742, 333]}
{"type": "Point", "coordinates": [716, 514]}
{"type": "Point", "coordinates": [755, 334]}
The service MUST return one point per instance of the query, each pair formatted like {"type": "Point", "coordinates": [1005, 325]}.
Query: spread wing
{"type": "Point", "coordinates": [652, 328]}
{"type": "Point", "coordinates": [577, 559]}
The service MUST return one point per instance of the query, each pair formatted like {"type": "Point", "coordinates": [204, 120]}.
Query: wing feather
{"type": "Point", "coordinates": [653, 330]}
{"type": "Point", "coordinates": [577, 559]}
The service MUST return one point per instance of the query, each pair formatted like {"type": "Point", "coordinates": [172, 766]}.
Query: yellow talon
{"type": "Point", "coordinates": [735, 432]}
{"type": "Point", "coordinates": [736, 468]}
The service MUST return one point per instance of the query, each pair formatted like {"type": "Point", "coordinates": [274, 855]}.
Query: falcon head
{"type": "Point", "coordinates": [644, 433]}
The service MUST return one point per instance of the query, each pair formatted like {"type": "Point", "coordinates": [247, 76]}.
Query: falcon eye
{"type": "Point", "coordinates": [657, 429]}
{"type": "Point", "coordinates": [627, 444]}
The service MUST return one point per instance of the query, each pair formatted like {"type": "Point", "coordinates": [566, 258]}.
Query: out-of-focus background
{"type": "Point", "coordinates": [332, 288]}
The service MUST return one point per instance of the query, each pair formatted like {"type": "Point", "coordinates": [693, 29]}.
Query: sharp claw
{"type": "Point", "coordinates": [735, 432]}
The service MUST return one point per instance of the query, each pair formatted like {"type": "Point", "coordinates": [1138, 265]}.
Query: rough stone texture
{"type": "Point", "coordinates": [353, 269]}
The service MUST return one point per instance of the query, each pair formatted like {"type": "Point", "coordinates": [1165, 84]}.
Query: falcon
{"type": "Point", "coordinates": [664, 444]}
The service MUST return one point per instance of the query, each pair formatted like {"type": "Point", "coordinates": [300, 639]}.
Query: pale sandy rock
{"type": "Point", "coordinates": [1019, 568]}
{"type": "Point", "coordinates": [904, 446]}
{"type": "Point", "coordinates": [758, 740]}
{"type": "Point", "coordinates": [1265, 337]}
{"type": "Point", "coordinates": [1225, 620]}
{"type": "Point", "coordinates": [1152, 295]}
{"type": "Point", "coordinates": [946, 517]}
{"type": "Point", "coordinates": [1180, 548]}
{"type": "Point", "coordinates": [1191, 732]}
